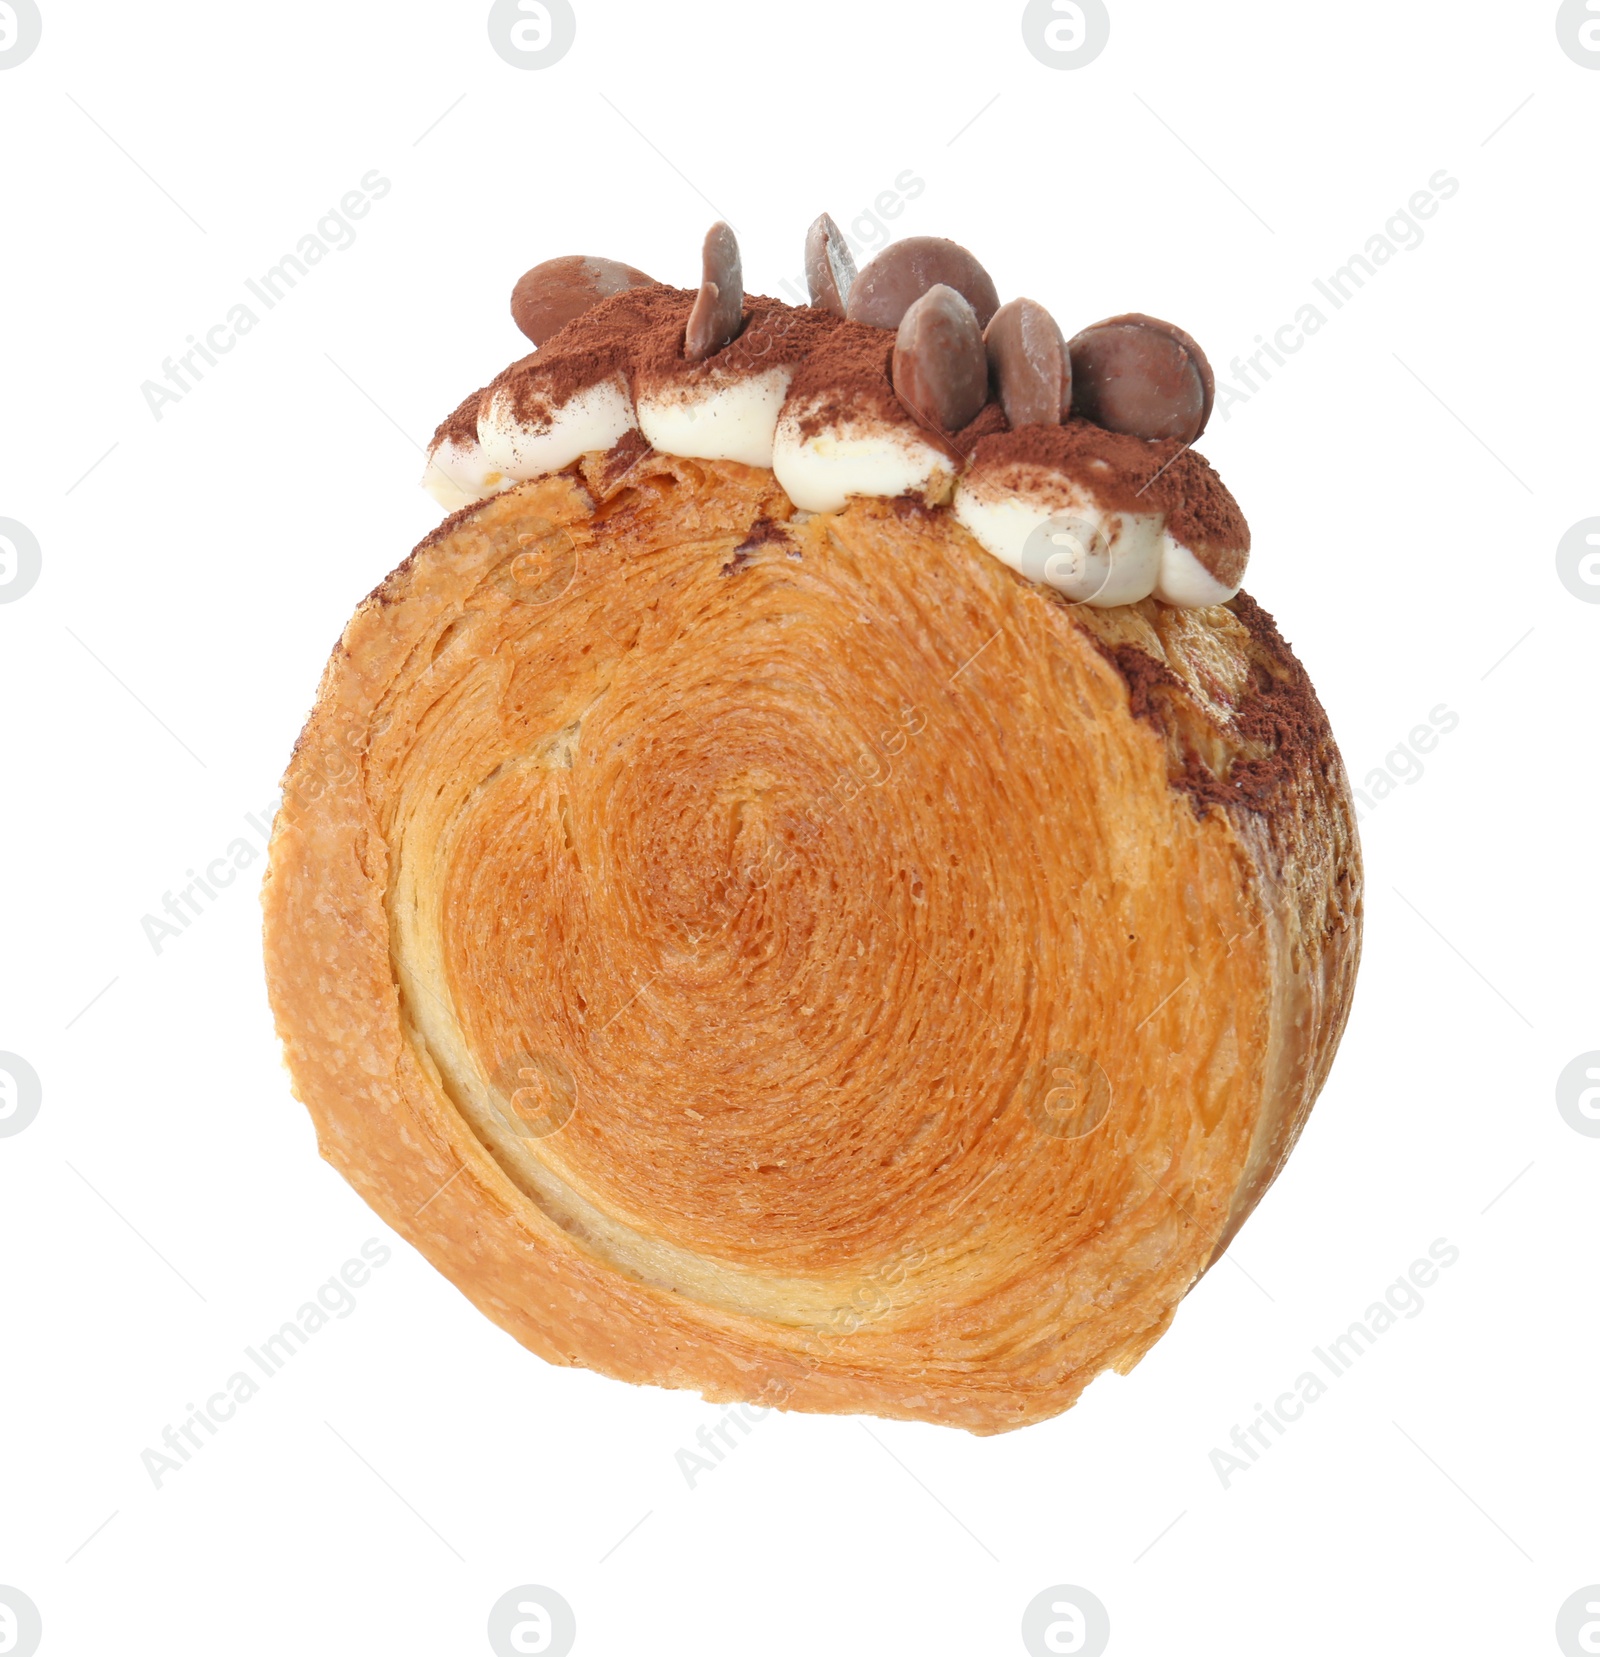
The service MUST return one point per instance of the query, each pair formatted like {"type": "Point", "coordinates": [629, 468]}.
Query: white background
{"type": "Point", "coordinates": [1407, 476]}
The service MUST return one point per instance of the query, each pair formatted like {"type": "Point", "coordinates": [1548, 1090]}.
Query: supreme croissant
{"type": "Point", "coordinates": [813, 884]}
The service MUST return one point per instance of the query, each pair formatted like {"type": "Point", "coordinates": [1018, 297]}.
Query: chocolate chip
{"type": "Point", "coordinates": [719, 305]}
{"type": "Point", "coordinates": [1138, 375]}
{"type": "Point", "coordinates": [939, 368]}
{"type": "Point", "coordinates": [904, 271]}
{"type": "Point", "coordinates": [830, 270]}
{"type": "Point", "coordinates": [550, 295]}
{"type": "Point", "coordinates": [1028, 364]}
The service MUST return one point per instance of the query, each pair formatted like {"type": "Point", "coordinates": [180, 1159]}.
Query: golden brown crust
{"type": "Point", "coordinates": [797, 958]}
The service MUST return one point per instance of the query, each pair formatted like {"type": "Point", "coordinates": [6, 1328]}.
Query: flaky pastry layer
{"type": "Point", "coordinates": [797, 958]}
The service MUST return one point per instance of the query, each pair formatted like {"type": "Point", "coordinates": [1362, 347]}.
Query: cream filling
{"type": "Point", "coordinates": [860, 457]}
{"type": "Point", "coordinates": [1058, 534]}
{"type": "Point", "coordinates": [734, 420]}
{"type": "Point", "coordinates": [1185, 581]}
{"type": "Point", "coordinates": [594, 418]}
{"type": "Point", "coordinates": [457, 474]}
{"type": "Point", "coordinates": [450, 495]}
{"type": "Point", "coordinates": [1063, 538]}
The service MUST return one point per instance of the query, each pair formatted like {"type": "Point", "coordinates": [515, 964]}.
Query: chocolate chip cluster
{"type": "Point", "coordinates": [955, 343]}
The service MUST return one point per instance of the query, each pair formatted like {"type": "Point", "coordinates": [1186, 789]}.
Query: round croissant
{"type": "Point", "coordinates": [798, 958]}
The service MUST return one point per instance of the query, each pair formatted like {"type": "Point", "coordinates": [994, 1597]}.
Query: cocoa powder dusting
{"type": "Point", "coordinates": [772, 335]}
{"type": "Point", "coordinates": [1282, 715]}
{"type": "Point", "coordinates": [1200, 508]}
{"type": "Point", "coordinates": [763, 532]}
{"type": "Point", "coordinates": [1278, 726]}
{"type": "Point", "coordinates": [460, 426]}
{"type": "Point", "coordinates": [621, 458]}
{"type": "Point", "coordinates": [990, 422]}
{"type": "Point", "coordinates": [846, 376]}
{"type": "Point", "coordinates": [639, 333]}
{"type": "Point", "coordinates": [1125, 474]}
{"type": "Point", "coordinates": [604, 340]}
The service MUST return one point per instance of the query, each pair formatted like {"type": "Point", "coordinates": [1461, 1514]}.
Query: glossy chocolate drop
{"type": "Point", "coordinates": [940, 371]}
{"type": "Point", "coordinates": [900, 275]}
{"type": "Point", "coordinates": [719, 305]}
{"type": "Point", "coordinates": [1029, 366]}
{"type": "Point", "coordinates": [1139, 375]}
{"type": "Point", "coordinates": [550, 295]}
{"type": "Point", "coordinates": [830, 270]}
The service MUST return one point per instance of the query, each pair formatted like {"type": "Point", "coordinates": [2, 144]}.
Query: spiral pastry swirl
{"type": "Point", "coordinates": [795, 957]}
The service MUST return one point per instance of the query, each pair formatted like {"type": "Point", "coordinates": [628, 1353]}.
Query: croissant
{"type": "Point", "coordinates": [793, 954]}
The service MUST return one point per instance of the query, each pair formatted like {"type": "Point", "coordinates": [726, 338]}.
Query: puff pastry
{"type": "Point", "coordinates": [797, 957]}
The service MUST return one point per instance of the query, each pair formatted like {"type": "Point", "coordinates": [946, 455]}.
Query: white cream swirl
{"type": "Point", "coordinates": [1047, 526]}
